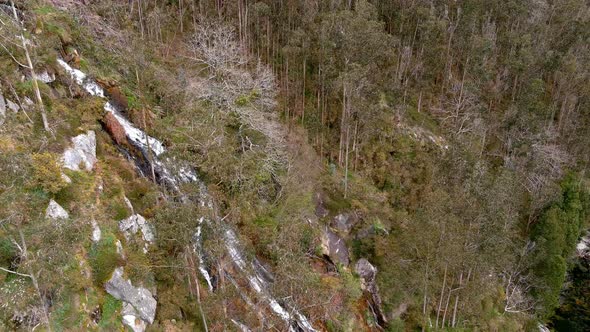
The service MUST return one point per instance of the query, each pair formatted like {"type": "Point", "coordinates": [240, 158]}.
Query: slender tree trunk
{"type": "Point", "coordinates": [32, 276]}
{"type": "Point", "coordinates": [268, 39]}
{"type": "Point", "coordinates": [425, 298]}
{"type": "Point", "coordinates": [514, 87]}
{"type": "Point", "coordinates": [322, 116]}
{"type": "Point", "coordinates": [442, 325]}
{"type": "Point", "coordinates": [462, 86]}
{"type": "Point", "coordinates": [442, 293]}
{"type": "Point", "coordinates": [287, 90]}
{"type": "Point", "coordinates": [140, 12]}
{"type": "Point", "coordinates": [303, 93]}
{"type": "Point", "coordinates": [355, 145]}
{"type": "Point", "coordinates": [240, 32]}
{"type": "Point", "coordinates": [192, 273]}
{"type": "Point", "coordinates": [346, 161]}
{"type": "Point", "coordinates": [181, 15]}
{"type": "Point", "coordinates": [40, 104]}
{"type": "Point", "coordinates": [454, 320]}
{"type": "Point", "coordinates": [147, 140]}
{"type": "Point", "coordinates": [342, 122]}
{"type": "Point", "coordinates": [420, 102]}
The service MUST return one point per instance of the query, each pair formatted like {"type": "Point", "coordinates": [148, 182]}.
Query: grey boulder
{"type": "Point", "coordinates": [334, 247]}
{"type": "Point", "coordinates": [139, 298]}
{"type": "Point", "coordinates": [2, 109]}
{"type": "Point", "coordinates": [131, 319]}
{"type": "Point", "coordinates": [368, 274]}
{"type": "Point", "coordinates": [83, 152]}
{"type": "Point", "coordinates": [54, 211]}
{"type": "Point", "coordinates": [12, 106]}
{"type": "Point", "coordinates": [344, 222]}
{"type": "Point", "coordinates": [134, 224]}
{"type": "Point", "coordinates": [583, 247]}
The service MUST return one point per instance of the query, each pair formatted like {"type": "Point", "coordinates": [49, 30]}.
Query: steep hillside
{"type": "Point", "coordinates": [293, 165]}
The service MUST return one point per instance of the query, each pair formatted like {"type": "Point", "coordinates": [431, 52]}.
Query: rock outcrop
{"type": "Point", "coordinates": [2, 109]}
{"type": "Point", "coordinates": [140, 299]}
{"type": "Point", "coordinates": [54, 211]}
{"type": "Point", "coordinates": [135, 223]}
{"type": "Point", "coordinates": [131, 318]}
{"type": "Point", "coordinates": [96, 232]}
{"type": "Point", "coordinates": [83, 152]}
{"type": "Point", "coordinates": [368, 274]}
{"type": "Point", "coordinates": [5, 105]}
{"type": "Point", "coordinates": [46, 77]}
{"type": "Point", "coordinates": [320, 206]}
{"type": "Point", "coordinates": [583, 247]}
{"type": "Point", "coordinates": [344, 222]}
{"type": "Point", "coordinates": [12, 106]}
{"type": "Point", "coordinates": [334, 247]}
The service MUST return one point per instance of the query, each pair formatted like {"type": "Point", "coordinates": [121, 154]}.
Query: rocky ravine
{"type": "Point", "coordinates": [148, 155]}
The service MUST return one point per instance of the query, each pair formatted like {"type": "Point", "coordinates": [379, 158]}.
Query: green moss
{"type": "Point", "coordinates": [118, 210]}
{"type": "Point", "coordinates": [110, 309]}
{"type": "Point", "coordinates": [44, 10]}
{"type": "Point", "coordinates": [24, 88]}
{"type": "Point", "coordinates": [396, 325]}
{"type": "Point", "coordinates": [143, 195]}
{"type": "Point", "coordinates": [247, 99]}
{"type": "Point", "coordinates": [79, 190]}
{"type": "Point", "coordinates": [7, 251]}
{"type": "Point", "coordinates": [103, 258]}
{"type": "Point", "coordinates": [132, 99]}
{"type": "Point", "coordinates": [65, 316]}
{"type": "Point", "coordinates": [266, 222]}
{"type": "Point", "coordinates": [421, 119]}
{"type": "Point", "coordinates": [337, 203]}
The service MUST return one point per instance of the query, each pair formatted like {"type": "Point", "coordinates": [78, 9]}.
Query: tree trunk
{"type": "Point", "coordinates": [342, 122]}
{"type": "Point", "coordinates": [442, 325]}
{"type": "Point", "coordinates": [32, 275]}
{"type": "Point", "coordinates": [192, 273]}
{"type": "Point", "coordinates": [425, 298]}
{"type": "Point", "coordinates": [453, 321]}
{"type": "Point", "coordinates": [346, 161]}
{"type": "Point", "coordinates": [303, 93]}
{"type": "Point", "coordinates": [33, 75]}
{"type": "Point", "coordinates": [442, 293]}
{"type": "Point", "coordinates": [140, 12]}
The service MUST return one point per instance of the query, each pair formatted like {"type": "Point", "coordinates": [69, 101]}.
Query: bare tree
{"type": "Point", "coordinates": [237, 84]}
{"type": "Point", "coordinates": [215, 45]}
{"type": "Point", "coordinates": [518, 283]}
{"type": "Point", "coordinates": [23, 252]}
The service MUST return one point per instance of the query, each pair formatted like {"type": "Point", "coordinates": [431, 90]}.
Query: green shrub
{"type": "Point", "coordinates": [556, 235]}
{"type": "Point", "coordinates": [47, 172]}
{"type": "Point", "coordinates": [351, 285]}
{"type": "Point", "coordinates": [79, 190]}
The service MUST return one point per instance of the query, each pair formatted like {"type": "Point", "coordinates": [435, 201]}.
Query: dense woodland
{"type": "Point", "coordinates": [455, 134]}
